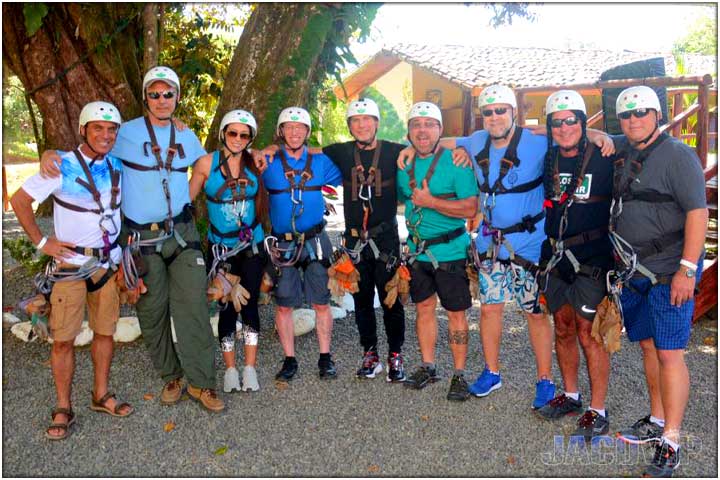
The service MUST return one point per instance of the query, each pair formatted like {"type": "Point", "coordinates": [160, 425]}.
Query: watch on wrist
{"type": "Point", "coordinates": [690, 273]}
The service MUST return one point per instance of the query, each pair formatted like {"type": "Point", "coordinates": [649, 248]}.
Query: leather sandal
{"type": "Point", "coordinates": [65, 427]}
{"type": "Point", "coordinates": [99, 406]}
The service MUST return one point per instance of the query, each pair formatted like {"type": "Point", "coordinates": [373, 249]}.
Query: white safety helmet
{"type": "Point", "coordinates": [99, 112]}
{"type": "Point", "coordinates": [497, 94]}
{"type": "Point", "coordinates": [294, 114]}
{"type": "Point", "coordinates": [163, 74]}
{"type": "Point", "coordinates": [363, 106]}
{"type": "Point", "coordinates": [425, 110]}
{"type": "Point", "coordinates": [637, 97]}
{"type": "Point", "coordinates": [237, 116]}
{"type": "Point", "coordinates": [564, 100]}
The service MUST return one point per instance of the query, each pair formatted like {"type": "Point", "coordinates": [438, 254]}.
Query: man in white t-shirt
{"type": "Point", "coordinates": [85, 253]}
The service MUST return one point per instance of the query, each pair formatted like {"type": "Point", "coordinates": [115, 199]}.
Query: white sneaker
{"type": "Point", "coordinates": [250, 381]}
{"type": "Point", "coordinates": [232, 380]}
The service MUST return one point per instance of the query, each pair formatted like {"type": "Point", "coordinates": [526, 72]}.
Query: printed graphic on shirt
{"type": "Point", "coordinates": [583, 191]}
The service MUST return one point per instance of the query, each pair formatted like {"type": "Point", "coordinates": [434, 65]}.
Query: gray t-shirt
{"type": "Point", "coordinates": [672, 168]}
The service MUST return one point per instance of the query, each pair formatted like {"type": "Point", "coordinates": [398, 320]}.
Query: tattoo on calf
{"type": "Point", "coordinates": [459, 337]}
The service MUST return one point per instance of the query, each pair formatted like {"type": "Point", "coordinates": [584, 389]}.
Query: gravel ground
{"type": "Point", "coordinates": [343, 427]}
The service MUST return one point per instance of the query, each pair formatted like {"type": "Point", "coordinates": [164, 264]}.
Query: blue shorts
{"type": "Point", "coordinates": [652, 316]}
{"type": "Point", "coordinates": [293, 286]}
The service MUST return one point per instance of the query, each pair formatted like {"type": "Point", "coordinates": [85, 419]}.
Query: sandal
{"type": "Point", "coordinates": [65, 427]}
{"type": "Point", "coordinates": [99, 406]}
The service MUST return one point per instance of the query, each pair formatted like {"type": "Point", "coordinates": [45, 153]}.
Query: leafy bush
{"type": "Point", "coordinates": [23, 251]}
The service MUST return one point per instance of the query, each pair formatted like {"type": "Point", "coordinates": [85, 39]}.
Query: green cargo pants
{"type": "Point", "coordinates": [177, 290]}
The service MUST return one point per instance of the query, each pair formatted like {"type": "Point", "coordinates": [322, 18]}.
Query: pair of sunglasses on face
{"type": "Point", "coordinates": [498, 111]}
{"type": "Point", "coordinates": [155, 95]}
{"type": "Point", "coordinates": [637, 113]}
{"type": "Point", "coordinates": [234, 134]}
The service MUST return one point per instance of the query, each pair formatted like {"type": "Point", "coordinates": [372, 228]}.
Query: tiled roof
{"type": "Point", "coordinates": [477, 66]}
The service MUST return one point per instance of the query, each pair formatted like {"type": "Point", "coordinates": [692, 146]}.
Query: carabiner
{"type": "Point", "coordinates": [369, 193]}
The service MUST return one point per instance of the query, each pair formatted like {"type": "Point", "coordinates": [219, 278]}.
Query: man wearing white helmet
{"type": "Point", "coordinates": [576, 256]}
{"type": "Point", "coordinates": [156, 205]}
{"type": "Point", "coordinates": [508, 165]}
{"type": "Point", "coordinates": [294, 180]}
{"type": "Point", "coordinates": [436, 207]}
{"type": "Point", "coordinates": [86, 222]}
{"type": "Point", "coordinates": [237, 207]}
{"type": "Point", "coordinates": [660, 210]}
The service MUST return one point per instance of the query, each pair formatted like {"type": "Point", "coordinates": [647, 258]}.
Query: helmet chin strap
{"type": "Point", "coordinates": [159, 118]}
{"type": "Point", "coordinates": [364, 145]}
{"type": "Point", "coordinates": [289, 148]}
{"type": "Point", "coordinates": [432, 150]}
{"type": "Point", "coordinates": [98, 155]}
{"type": "Point", "coordinates": [507, 132]}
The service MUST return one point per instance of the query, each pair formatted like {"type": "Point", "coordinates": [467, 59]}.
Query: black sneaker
{"type": "Point", "coordinates": [371, 365]}
{"type": "Point", "coordinates": [641, 432]}
{"type": "Point", "coordinates": [592, 424]}
{"type": "Point", "coordinates": [327, 368]}
{"type": "Point", "coordinates": [288, 370]}
{"type": "Point", "coordinates": [665, 461]}
{"type": "Point", "coordinates": [421, 377]}
{"type": "Point", "coordinates": [396, 372]}
{"type": "Point", "coordinates": [458, 389]}
{"type": "Point", "coordinates": [560, 406]}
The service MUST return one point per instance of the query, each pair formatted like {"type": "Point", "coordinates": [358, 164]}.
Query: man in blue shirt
{"type": "Point", "coordinates": [156, 204]}
{"type": "Point", "coordinates": [294, 180]}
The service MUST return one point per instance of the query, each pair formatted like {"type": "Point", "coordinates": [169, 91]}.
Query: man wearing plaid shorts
{"type": "Point", "coordinates": [660, 209]}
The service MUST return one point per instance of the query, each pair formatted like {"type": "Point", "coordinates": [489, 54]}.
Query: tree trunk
{"type": "Point", "coordinates": [81, 53]}
{"type": "Point", "coordinates": [150, 36]}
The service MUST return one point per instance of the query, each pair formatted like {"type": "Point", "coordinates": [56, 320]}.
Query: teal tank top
{"type": "Point", "coordinates": [230, 216]}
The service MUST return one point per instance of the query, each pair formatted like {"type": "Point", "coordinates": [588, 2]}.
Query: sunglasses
{"type": "Point", "coordinates": [155, 95]}
{"type": "Point", "coordinates": [234, 134]}
{"type": "Point", "coordinates": [570, 121]}
{"type": "Point", "coordinates": [637, 113]}
{"type": "Point", "coordinates": [498, 111]}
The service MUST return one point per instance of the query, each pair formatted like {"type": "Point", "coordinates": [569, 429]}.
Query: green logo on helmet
{"type": "Point", "coordinates": [562, 106]}
{"type": "Point", "coordinates": [490, 99]}
{"type": "Point", "coordinates": [630, 105]}
{"type": "Point", "coordinates": [107, 117]}
{"type": "Point", "coordinates": [294, 118]}
{"type": "Point", "coordinates": [424, 112]}
{"type": "Point", "coordinates": [361, 110]}
{"type": "Point", "coordinates": [160, 74]}
{"type": "Point", "coordinates": [243, 119]}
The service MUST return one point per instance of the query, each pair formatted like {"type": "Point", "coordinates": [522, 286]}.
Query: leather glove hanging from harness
{"type": "Point", "coordinates": [342, 276]}
{"type": "Point", "coordinates": [132, 268]}
{"type": "Point", "coordinates": [607, 325]}
{"type": "Point", "coordinates": [473, 278]}
{"type": "Point", "coordinates": [226, 287]}
{"type": "Point", "coordinates": [398, 287]}
{"type": "Point", "coordinates": [38, 309]}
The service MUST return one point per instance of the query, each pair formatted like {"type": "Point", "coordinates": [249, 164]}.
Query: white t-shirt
{"type": "Point", "coordinates": [80, 228]}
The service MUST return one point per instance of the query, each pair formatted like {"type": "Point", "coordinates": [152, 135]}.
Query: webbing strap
{"type": "Point", "coordinates": [237, 185]}
{"type": "Point", "coordinates": [374, 174]}
{"type": "Point", "coordinates": [509, 160]}
{"type": "Point", "coordinates": [431, 170]}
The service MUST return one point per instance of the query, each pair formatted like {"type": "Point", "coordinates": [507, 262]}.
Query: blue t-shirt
{"type": "Point", "coordinates": [143, 197]}
{"type": "Point", "coordinates": [225, 216]}
{"type": "Point", "coordinates": [324, 172]}
{"type": "Point", "coordinates": [510, 208]}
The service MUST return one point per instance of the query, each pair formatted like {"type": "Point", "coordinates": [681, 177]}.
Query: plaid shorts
{"type": "Point", "coordinates": [505, 282]}
{"type": "Point", "coordinates": [647, 313]}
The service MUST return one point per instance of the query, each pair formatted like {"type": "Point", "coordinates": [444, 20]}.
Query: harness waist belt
{"type": "Point", "coordinates": [653, 247]}
{"type": "Point", "coordinates": [582, 238]}
{"type": "Point", "coordinates": [444, 238]}
{"type": "Point", "coordinates": [233, 233]}
{"type": "Point", "coordinates": [94, 251]}
{"type": "Point", "coordinates": [183, 217]}
{"type": "Point", "coordinates": [309, 233]}
{"type": "Point", "coordinates": [373, 232]}
{"type": "Point", "coordinates": [527, 224]}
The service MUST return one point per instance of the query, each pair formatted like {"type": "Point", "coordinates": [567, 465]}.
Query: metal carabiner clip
{"type": "Point", "coordinates": [369, 193]}
{"type": "Point", "coordinates": [105, 219]}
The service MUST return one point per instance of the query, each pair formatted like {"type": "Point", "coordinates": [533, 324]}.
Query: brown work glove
{"type": "Point", "coordinates": [391, 288]}
{"type": "Point", "coordinates": [404, 284]}
{"type": "Point", "coordinates": [607, 325]}
{"type": "Point", "coordinates": [473, 278]}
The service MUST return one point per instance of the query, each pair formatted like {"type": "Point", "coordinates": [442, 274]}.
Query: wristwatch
{"type": "Point", "coordinates": [689, 273]}
{"type": "Point", "coordinates": [691, 268]}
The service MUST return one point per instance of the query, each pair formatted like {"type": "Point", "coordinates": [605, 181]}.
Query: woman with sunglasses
{"type": "Point", "coordinates": [237, 207]}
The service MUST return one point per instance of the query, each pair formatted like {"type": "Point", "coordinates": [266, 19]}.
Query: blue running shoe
{"type": "Point", "coordinates": [486, 383]}
{"type": "Point", "coordinates": [544, 392]}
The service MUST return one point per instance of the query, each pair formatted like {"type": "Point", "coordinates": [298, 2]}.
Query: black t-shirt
{"type": "Point", "coordinates": [384, 207]}
{"type": "Point", "coordinates": [589, 211]}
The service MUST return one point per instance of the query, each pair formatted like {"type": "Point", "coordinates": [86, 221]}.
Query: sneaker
{"type": "Point", "coordinates": [486, 383]}
{"type": "Point", "coordinates": [560, 406]}
{"type": "Point", "coordinates": [171, 392]}
{"type": "Point", "coordinates": [665, 461]}
{"type": "Point", "coordinates": [458, 389]}
{"type": "Point", "coordinates": [396, 372]}
{"type": "Point", "coordinates": [592, 424]}
{"type": "Point", "coordinates": [327, 368]}
{"type": "Point", "coordinates": [232, 380]}
{"type": "Point", "coordinates": [371, 365]}
{"type": "Point", "coordinates": [421, 377]}
{"type": "Point", "coordinates": [250, 381]}
{"type": "Point", "coordinates": [544, 392]}
{"type": "Point", "coordinates": [288, 370]}
{"type": "Point", "coordinates": [207, 398]}
{"type": "Point", "coordinates": [641, 432]}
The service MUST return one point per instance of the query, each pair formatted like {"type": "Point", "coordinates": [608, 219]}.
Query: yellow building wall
{"type": "Point", "coordinates": [396, 86]}
{"type": "Point", "coordinates": [448, 96]}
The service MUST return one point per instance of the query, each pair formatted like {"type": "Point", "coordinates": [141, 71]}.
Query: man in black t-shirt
{"type": "Point", "coordinates": [576, 257]}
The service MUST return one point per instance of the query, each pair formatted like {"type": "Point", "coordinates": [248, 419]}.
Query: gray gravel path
{"type": "Point", "coordinates": [343, 427]}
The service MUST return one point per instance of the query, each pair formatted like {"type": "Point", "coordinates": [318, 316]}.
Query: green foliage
{"type": "Point", "coordinates": [34, 14]}
{"type": "Point", "coordinates": [198, 45]}
{"type": "Point", "coordinates": [701, 37]}
{"type": "Point", "coordinates": [23, 251]}
{"type": "Point", "coordinates": [17, 129]}
{"type": "Point", "coordinates": [503, 13]}
{"type": "Point", "coordinates": [392, 127]}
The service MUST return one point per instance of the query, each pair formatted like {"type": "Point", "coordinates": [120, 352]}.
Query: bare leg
{"type": "Point", "coordinates": [652, 377]}
{"type": "Point", "coordinates": [598, 363]}
{"type": "Point", "coordinates": [491, 334]}
{"type": "Point", "coordinates": [541, 338]}
{"type": "Point", "coordinates": [458, 338]}
{"type": "Point", "coordinates": [229, 359]}
{"type": "Point", "coordinates": [674, 389]}
{"type": "Point", "coordinates": [566, 347]}
{"type": "Point", "coordinates": [286, 329]}
{"type": "Point", "coordinates": [62, 361]}
{"type": "Point", "coordinates": [324, 324]}
{"type": "Point", "coordinates": [101, 351]}
{"type": "Point", "coordinates": [426, 328]}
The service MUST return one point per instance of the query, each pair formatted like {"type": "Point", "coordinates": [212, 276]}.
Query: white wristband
{"type": "Point", "coordinates": [41, 243]}
{"type": "Point", "coordinates": [688, 264]}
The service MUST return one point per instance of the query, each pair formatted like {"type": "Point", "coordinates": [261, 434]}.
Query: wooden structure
{"type": "Point", "coordinates": [700, 134]}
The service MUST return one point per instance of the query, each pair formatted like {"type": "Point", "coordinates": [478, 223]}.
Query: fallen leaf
{"type": "Point", "coordinates": [169, 426]}
{"type": "Point", "coordinates": [424, 418]}
{"type": "Point", "coordinates": [511, 460]}
{"type": "Point", "coordinates": [46, 363]}
{"type": "Point", "coordinates": [281, 385]}
{"type": "Point", "coordinates": [221, 451]}
{"type": "Point", "coordinates": [374, 468]}
{"type": "Point", "coordinates": [709, 341]}
{"type": "Point", "coordinates": [148, 396]}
